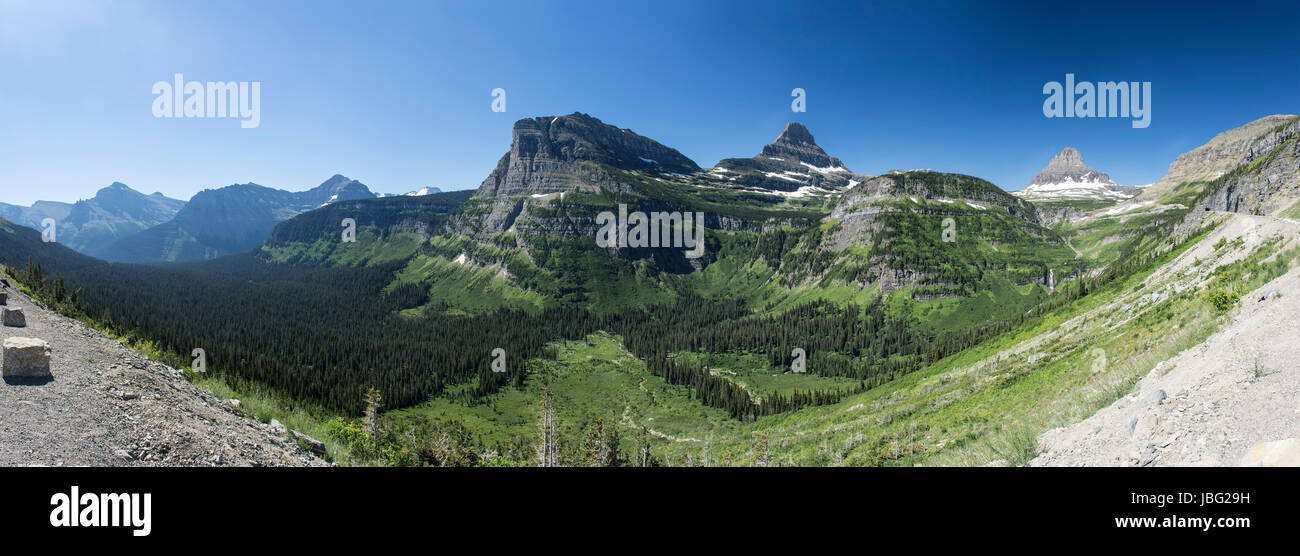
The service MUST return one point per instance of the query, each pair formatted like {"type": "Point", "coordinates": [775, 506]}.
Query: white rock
{"type": "Point", "coordinates": [1282, 453]}
{"type": "Point", "coordinates": [26, 358]}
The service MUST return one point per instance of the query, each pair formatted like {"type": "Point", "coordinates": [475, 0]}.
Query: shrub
{"type": "Point", "coordinates": [1221, 300]}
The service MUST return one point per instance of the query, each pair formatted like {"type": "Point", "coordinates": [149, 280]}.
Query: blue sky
{"type": "Point", "coordinates": [398, 94]}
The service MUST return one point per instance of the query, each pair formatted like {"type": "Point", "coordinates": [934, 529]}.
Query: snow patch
{"type": "Point", "coordinates": [826, 170]}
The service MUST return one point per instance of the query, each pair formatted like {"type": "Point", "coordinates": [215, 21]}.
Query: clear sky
{"type": "Point", "coordinates": [398, 95]}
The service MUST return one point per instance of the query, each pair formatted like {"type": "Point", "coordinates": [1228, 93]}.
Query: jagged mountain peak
{"type": "Point", "coordinates": [796, 144]}
{"type": "Point", "coordinates": [795, 132]}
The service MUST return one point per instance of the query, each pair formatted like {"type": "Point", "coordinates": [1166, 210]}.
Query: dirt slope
{"type": "Point", "coordinates": [110, 406]}
{"type": "Point", "coordinates": [1211, 404]}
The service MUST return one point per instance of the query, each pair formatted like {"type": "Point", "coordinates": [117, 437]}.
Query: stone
{"type": "Point", "coordinates": [1141, 426]}
{"type": "Point", "coordinates": [1154, 398]}
{"type": "Point", "coordinates": [235, 403]}
{"type": "Point", "coordinates": [277, 427]}
{"type": "Point", "coordinates": [14, 318]}
{"type": "Point", "coordinates": [26, 358]}
{"type": "Point", "coordinates": [317, 447]}
{"type": "Point", "coordinates": [1281, 453]}
{"type": "Point", "coordinates": [4, 298]}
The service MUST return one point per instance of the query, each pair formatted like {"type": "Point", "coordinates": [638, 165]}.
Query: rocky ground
{"type": "Point", "coordinates": [110, 406]}
{"type": "Point", "coordinates": [1213, 404]}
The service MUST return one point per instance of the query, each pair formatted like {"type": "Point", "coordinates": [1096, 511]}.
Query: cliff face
{"type": "Point", "coordinates": [1268, 179]}
{"type": "Point", "coordinates": [553, 154]}
{"type": "Point", "coordinates": [1224, 152]}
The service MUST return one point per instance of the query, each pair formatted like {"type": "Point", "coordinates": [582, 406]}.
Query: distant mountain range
{"type": "Point", "coordinates": [91, 225]}
{"type": "Point", "coordinates": [228, 220]}
{"type": "Point", "coordinates": [120, 224]}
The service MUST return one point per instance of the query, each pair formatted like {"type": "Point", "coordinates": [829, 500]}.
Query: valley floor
{"type": "Point", "coordinates": [110, 406]}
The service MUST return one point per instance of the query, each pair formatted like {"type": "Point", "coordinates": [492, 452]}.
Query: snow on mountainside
{"type": "Point", "coordinates": [420, 193]}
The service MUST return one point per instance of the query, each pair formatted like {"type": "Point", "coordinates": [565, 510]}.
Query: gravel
{"type": "Point", "coordinates": [110, 406]}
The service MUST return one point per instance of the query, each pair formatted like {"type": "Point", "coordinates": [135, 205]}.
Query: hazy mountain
{"type": "Point", "coordinates": [92, 224]}
{"type": "Point", "coordinates": [228, 220]}
{"type": "Point", "coordinates": [33, 215]}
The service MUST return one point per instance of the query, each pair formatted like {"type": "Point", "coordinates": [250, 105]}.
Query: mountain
{"type": "Point", "coordinates": [557, 153]}
{"type": "Point", "coordinates": [1218, 156]}
{"type": "Point", "coordinates": [1066, 177]}
{"type": "Point", "coordinates": [33, 215]}
{"type": "Point", "coordinates": [535, 216]}
{"type": "Point", "coordinates": [792, 166]}
{"type": "Point", "coordinates": [228, 220]}
{"type": "Point", "coordinates": [90, 225]}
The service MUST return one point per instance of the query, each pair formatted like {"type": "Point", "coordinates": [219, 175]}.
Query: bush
{"type": "Point", "coordinates": [1221, 300]}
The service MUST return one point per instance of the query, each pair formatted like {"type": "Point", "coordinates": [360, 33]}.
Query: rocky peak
{"type": "Point", "coordinates": [796, 144]}
{"type": "Point", "coordinates": [1066, 177]}
{"type": "Point", "coordinates": [337, 188]}
{"type": "Point", "coordinates": [1068, 166]}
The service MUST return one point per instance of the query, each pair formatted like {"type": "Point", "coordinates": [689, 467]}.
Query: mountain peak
{"type": "Point", "coordinates": [1067, 177]}
{"type": "Point", "coordinates": [796, 144]}
{"type": "Point", "coordinates": [796, 133]}
{"type": "Point", "coordinates": [116, 189]}
{"type": "Point", "coordinates": [1066, 160]}
{"type": "Point", "coordinates": [1068, 166]}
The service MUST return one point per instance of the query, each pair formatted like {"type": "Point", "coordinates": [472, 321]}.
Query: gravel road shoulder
{"type": "Point", "coordinates": [110, 406]}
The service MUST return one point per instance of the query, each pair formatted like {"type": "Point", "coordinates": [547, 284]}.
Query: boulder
{"type": "Point", "coordinates": [13, 317]}
{"type": "Point", "coordinates": [1281, 453]}
{"type": "Point", "coordinates": [317, 447]}
{"type": "Point", "coordinates": [26, 358]}
{"type": "Point", "coordinates": [4, 298]}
